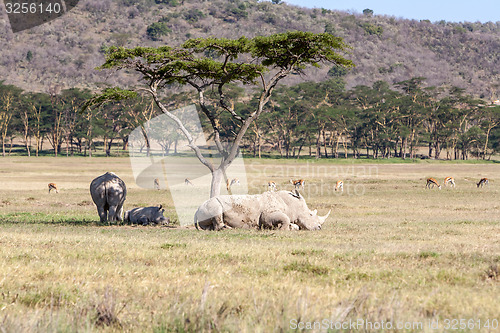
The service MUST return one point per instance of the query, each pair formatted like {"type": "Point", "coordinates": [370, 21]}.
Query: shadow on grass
{"type": "Point", "coordinates": [53, 219]}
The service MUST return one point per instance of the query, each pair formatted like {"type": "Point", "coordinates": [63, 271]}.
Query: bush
{"type": "Point", "coordinates": [193, 15]}
{"type": "Point", "coordinates": [158, 29]}
{"type": "Point", "coordinates": [172, 3]}
{"type": "Point", "coordinates": [372, 29]}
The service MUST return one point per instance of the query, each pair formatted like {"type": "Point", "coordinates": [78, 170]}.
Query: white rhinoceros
{"type": "Point", "coordinates": [282, 209]}
{"type": "Point", "coordinates": [108, 192]}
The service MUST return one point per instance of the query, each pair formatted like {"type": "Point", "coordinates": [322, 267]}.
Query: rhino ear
{"type": "Point", "coordinates": [161, 206]}
{"type": "Point", "coordinates": [295, 194]}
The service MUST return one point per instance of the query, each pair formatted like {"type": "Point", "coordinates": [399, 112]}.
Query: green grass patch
{"type": "Point", "coordinates": [306, 267]}
{"type": "Point", "coordinates": [170, 246]}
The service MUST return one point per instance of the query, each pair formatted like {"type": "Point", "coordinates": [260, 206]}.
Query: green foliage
{"type": "Point", "coordinates": [193, 15]}
{"type": "Point", "coordinates": [158, 29]}
{"type": "Point", "coordinates": [330, 28]}
{"type": "Point", "coordinates": [372, 29]}
{"type": "Point", "coordinates": [109, 94]}
{"type": "Point", "coordinates": [337, 71]}
{"type": "Point", "coordinates": [295, 49]}
{"type": "Point", "coordinates": [367, 12]}
{"type": "Point", "coordinates": [29, 56]}
{"type": "Point", "coordinates": [172, 3]}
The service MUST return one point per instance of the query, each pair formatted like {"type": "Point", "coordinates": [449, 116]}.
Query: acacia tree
{"type": "Point", "coordinates": [212, 64]}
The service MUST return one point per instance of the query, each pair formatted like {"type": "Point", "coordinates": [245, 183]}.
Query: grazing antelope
{"type": "Point", "coordinates": [449, 180]}
{"type": "Point", "coordinates": [157, 184]}
{"type": "Point", "coordinates": [298, 183]}
{"type": "Point", "coordinates": [339, 186]}
{"type": "Point", "coordinates": [53, 186]}
{"type": "Point", "coordinates": [271, 186]}
{"type": "Point", "coordinates": [433, 182]}
{"type": "Point", "coordinates": [230, 183]}
{"type": "Point", "coordinates": [483, 181]}
{"type": "Point", "coordinates": [188, 182]}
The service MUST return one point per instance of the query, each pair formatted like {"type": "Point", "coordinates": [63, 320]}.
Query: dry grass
{"type": "Point", "coordinates": [392, 251]}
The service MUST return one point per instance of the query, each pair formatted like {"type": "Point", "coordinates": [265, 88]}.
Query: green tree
{"type": "Point", "coordinates": [261, 62]}
{"type": "Point", "coordinates": [9, 99]}
{"type": "Point", "coordinates": [367, 12]}
{"type": "Point", "coordinates": [158, 29]}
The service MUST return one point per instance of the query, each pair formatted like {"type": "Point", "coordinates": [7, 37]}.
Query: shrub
{"type": "Point", "coordinates": [158, 29]}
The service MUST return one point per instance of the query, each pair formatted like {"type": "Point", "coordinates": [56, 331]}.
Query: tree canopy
{"type": "Point", "coordinates": [211, 64]}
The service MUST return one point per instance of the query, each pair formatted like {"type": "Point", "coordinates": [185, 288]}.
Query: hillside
{"type": "Point", "coordinates": [65, 52]}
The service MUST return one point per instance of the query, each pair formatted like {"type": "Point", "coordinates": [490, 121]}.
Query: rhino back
{"type": "Point", "coordinates": [108, 189]}
{"type": "Point", "coordinates": [244, 211]}
{"type": "Point", "coordinates": [137, 213]}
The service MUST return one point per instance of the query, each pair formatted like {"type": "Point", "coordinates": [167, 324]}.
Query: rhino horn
{"type": "Point", "coordinates": [322, 219]}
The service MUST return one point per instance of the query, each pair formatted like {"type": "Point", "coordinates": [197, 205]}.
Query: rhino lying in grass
{"type": "Point", "coordinates": [282, 209]}
{"type": "Point", "coordinates": [108, 192]}
{"type": "Point", "coordinates": [146, 215]}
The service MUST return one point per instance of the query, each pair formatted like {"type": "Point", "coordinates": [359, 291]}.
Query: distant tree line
{"type": "Point", "coordinates": [322, 120]}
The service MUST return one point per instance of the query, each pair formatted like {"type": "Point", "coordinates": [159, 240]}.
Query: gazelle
{"type": "Point", "coordinates": [483, 181]}
{"type": "Point", "coordinates": [230, 183]}
{"type": "Point", "coordinates": [188, 182]}
{"type": "Point", "coordinates": [156, 184]}
{"type": "Point", "coordinates": [339, 186]}
{"type": "Point", "coordinates": [53, 186]}
{"type": "Point", "coordinates": [433, 182]}
{"type": "Point", "coordinates": [271, 186]}
{"type": "Point", "coordinates": [449, 180]}
{"type": "Point", "coordinates": [298, 183]}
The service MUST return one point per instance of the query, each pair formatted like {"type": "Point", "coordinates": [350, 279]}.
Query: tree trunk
{"type": "Point", "coordinates": [485, 150]}
{"type": "Point", "coordinates": [217, 179]}
{"type": "Point", "coordinates": [325, 144]}
{"type": "Point", "coordinates": [318, 145]}
{"type": "Point", "coordinates": [337, 146]}
{"type": "Point", "coordinates": [437, 149]}
{"type": "Point", "coordinates": [10, 145]}
{"type": "Point", "coordinates": [125, 143]}
{"type": "Point", "coordinates": [26, 140]}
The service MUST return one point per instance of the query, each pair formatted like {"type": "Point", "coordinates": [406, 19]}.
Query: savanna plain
{"type": "Point", "coordinates": [391, 251]}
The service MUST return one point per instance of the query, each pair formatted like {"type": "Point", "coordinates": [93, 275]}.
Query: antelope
{"type": "Point", "coordinates": [449, 180]}
{"type": "Point", "coordinates": [483, 181]}
{"type": "Point", "coordinates": [298, 183]}
{"type": "Point", "coordinates": [339, 186]}
{"type": "Point", "coordinates": [53, 186]}
{"type": "Point", "coordinates": [156, 184]}
{"type": "Point", "coordinates": [433, 182]}
{"type": "Point", "coordinates": [230, 183]}
{"type": "Point", "coordinates": [271, 186]}
{"type": "Point", "coordinates": [188, 182]}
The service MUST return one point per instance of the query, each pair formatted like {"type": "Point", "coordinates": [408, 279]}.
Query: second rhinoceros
{"type": "Point", "coordinates": [146, 215]}
{"type": "Point", "coordinates": [282, 209]}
